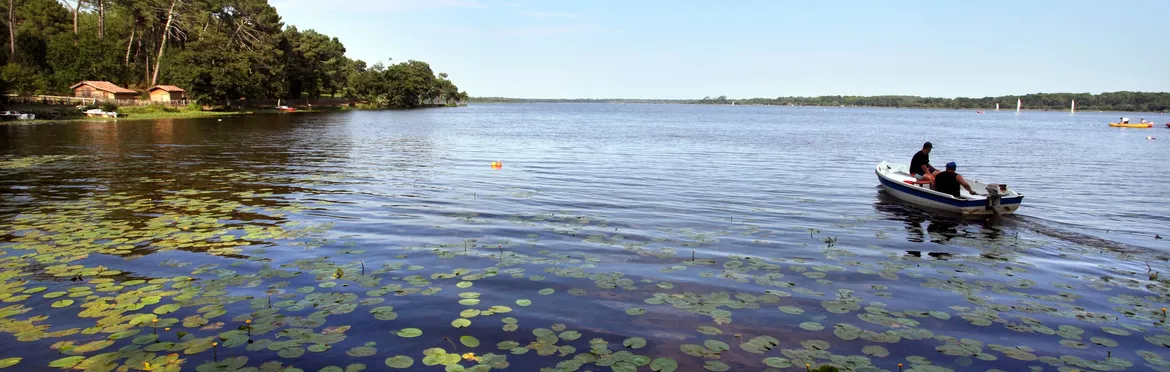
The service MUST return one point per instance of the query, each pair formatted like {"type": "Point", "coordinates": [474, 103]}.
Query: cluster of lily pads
{"type": "Point", "coordinates": [73, 285]}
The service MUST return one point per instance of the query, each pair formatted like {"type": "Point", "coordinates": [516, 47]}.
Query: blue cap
{"type": "Point", "coordinates": [952, 165]}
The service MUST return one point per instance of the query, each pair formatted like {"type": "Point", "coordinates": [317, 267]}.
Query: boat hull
{"type": "Point", "coordinates": [1130, 125]}
{"type": "Point", "coordinates": [923, 197]}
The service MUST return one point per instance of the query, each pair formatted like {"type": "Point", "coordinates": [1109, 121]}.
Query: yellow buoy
{"type": "Point", "coordinates": [497, 164]}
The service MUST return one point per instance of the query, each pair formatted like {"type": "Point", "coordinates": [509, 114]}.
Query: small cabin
{"type": "Point", "coordinates": [102, 90]}
{"type": "Point", "coordinates": [167, 93]}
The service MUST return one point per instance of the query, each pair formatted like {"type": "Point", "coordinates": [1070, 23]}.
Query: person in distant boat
{"type": "Point", "coordinates": [1142, 121]}
{"type": "Point", "coordinates": [920, 166]}
{"type": "Point", "coordinates": [1124, 120]}
{"type": "Point", "coordinates": [948, 182]}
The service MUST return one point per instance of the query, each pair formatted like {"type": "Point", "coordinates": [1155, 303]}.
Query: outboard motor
{"type": "Point", "coordinates": [994, 193]}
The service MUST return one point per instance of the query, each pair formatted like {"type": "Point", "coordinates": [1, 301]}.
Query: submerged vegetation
{"type": "Point", "coordinates": [156, 274]}
{"type": "Point", "coordinates": [217, 50]}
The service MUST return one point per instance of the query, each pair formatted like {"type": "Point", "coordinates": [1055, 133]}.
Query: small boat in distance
{"type": "Point", "coordinates": [1132, 125]}
{"type": "Point", "coordinates": [897, 181]}
{"type": "Point", "coordinates": [1072, 110]}
{"type": "Point", "coordinates": [997, 107]}
{"type": "Point", "coordinates": [13, 115]}
{"type": "Point", "coordinates": [1019, 104]}
{"type": "Point", "coordinates": [284, 108]}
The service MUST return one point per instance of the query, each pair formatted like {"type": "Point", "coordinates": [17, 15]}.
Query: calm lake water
{"type": "Point", "coordinates": [614, 237]}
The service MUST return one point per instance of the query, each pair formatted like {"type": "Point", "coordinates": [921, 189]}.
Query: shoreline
{"type": "Point", "coordinates": [207, 114]}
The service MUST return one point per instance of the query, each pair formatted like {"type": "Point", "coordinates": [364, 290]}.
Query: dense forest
{"type": "Point", "coordinates": [1113, 101]}
{"type": "Point", "coordinates": [218, 50]}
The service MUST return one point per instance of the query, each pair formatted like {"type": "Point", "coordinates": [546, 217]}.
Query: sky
{"type": "Point", "coordinates": [743, 49]}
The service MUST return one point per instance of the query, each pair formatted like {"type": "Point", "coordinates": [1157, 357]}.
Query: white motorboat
{"type": "Point", "coordinates": [898, 182]}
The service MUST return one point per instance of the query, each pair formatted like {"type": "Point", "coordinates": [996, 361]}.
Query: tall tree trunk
{"type": "Point", "coordinates": [163, 44]}
{"type": "Point", "coordinates": [101, 19]}
{"type": "Point", "coordinates": [146, 77]}
{"type": "Point", "coordinates": [130, 43]}
{"type": "Point", "coordinates": [11, 31]}
{"type": "Point", "coordinates": [76, 9]}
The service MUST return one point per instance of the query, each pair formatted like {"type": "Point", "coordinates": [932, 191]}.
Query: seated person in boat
{"type": "Point", "coordinates": [920, 166]}
{"type": "Point", "coordinates": [948, 182]}
{"type": "Point", "coordinates": [1124, 121]}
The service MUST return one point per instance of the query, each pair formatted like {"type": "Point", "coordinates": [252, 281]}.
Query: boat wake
{"type": "Point", "coordinates": [1049, 228]}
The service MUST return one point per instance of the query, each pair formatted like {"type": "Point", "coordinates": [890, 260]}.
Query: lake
{"type": "Point", "coordinates": [613, 237]}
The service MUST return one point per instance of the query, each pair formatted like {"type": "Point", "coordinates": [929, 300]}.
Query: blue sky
{"type": "Point", "coordinates": [742, 49]}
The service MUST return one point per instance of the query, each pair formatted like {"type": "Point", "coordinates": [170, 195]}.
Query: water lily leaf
{"type": "Point", "coordinates": [409, 332]}
{"type": "Point", "coordinates": [469, 302]}
{"type": "Point", "coordinates": [708, 330]}
{"type": "Point", "coordinates": [570, 335]}
{"type": "Point", "coordinates": [663, 365]}
{"type": "Point", "coordinates": [760, 344]}
{"type": "Point", "coordinates": [399, 361]}
{"type": "Point", "coordinates": [469, 341]}
{"type": "Point", "coordinates": [225, 365]}
{"type": "Point", "coordinates": [507, 345]}
{"type": "Point", "coordinates": [792, 310]}
{"type": "Point", "coordinates": [62, 303]}
{"type": "Point", "coordinates": [812, 326]}
{"type": "Point", "coordinates": [777, 362]}
{"type": "Point", "coordinates": [9, 362]}
{"type": "Point", "coordinates": [1103, 341]}
{"type": "Point", "coordinates": [634, 342]}
{"type": "Point", "coordinates": [716, 345]}
{"type": "Point", "coordinates": [125, 334]}
{"type": "Point", "coordinates": [814, 344]}
{"type": "Point", "coordinates": [52, 295]}
{"type": "Point", "coordinates": [546, 291]}
{"type": "Point", "coordinates": [292, 352]}
{"type": "Point", "coordinates": [716, 366]}
{"type": "Point", "coordinates": [362, 351]}
{"type": "Point", "coordinates": [875, 350]}
{"type": "Point", "coordinates": [523, 302]}
{"type": "Point", "coordinates": [144, 339]}
{"type": "Point", "coordinates": [166, 309]}
{"type": "Point", "coordinates": [331, 369]}
{"type": "Point", "coordinates": [499, 309]}
{"type": "Point", "coordinates": [461, 323]}
{"type": "Point", "coordinates": [66, 362]}
{"type": "Point", "coordinates": [635, 311]}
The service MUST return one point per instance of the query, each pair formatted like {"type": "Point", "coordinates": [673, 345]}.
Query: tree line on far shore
{"type": "Point", "coordinates": [217, 50]}
{"type": "Point", "coordinates": [1111, 101]}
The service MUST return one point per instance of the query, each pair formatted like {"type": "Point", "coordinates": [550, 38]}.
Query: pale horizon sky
{"type": "Point", "coordinates": [746, 49]}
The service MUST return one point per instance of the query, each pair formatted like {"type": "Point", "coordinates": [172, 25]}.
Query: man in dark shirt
{"type": "Point", "coordinates": [920, 166]}
{"type": "Point", "coordinates": [949, 182]}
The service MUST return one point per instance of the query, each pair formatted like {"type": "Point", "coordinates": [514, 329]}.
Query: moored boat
{"type": "Point", "coordinates": [897, 181]}
{"type": "Point", "coordinates": [1131, 125]}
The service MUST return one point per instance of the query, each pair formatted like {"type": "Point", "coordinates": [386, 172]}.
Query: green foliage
{"type": "Point", "coordinates": [20, 79]}
{"type": "Point", "coordinates": [219, 51]}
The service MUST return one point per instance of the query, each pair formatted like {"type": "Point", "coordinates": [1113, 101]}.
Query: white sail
{"type": "Point", "coordinates": [997, 106]}
{"type": "Point", "coordinates": [1072, 109]}
{"type": "Point", "coordinates": [1019, 104]}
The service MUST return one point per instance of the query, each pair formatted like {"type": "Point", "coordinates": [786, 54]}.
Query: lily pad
{"type": "Point", "coordinates": [400, 362]}
{"type": "Point", "coordinates": [9, 362]}
{"type": "Point", "coordinates": [409, 332]}
{"type": "Point", "coordinates": [812, 326]}
{"type": "Point", "coordinates": [546, 291]}
{"type": "Point", "coordinates": [635, 311]}
{"type": "Point", "coordinates": [634, 342]}
{"type": "Point", "coordinates": [663, 365]}
{"type": "Point", "coordinates": [469, 341]}
{"type": "Point", "coordinates": [461, 323]}
{"type": "Point", "coordinates": [875, 350]}
{"type": "Point", "coordinates": [777, 362]}
{"type": "Point", "coordinates": [62, 303]}
{"type": "Point", "coordinates": [523, 302]}
{"type": "Point", "coordinates": [709, 330]}
{"type": "Point", "coordinates": [716, 366]}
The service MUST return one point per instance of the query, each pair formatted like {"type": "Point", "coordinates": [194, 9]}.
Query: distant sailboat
{"type": "Point", "coordinates": [1019, 104]}
{"type": "Point", "coordinates": [1072, 110]}
{"type": "Point", "coordinates": [997, 106]}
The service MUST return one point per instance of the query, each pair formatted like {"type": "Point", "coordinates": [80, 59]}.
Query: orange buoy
{"type": "Point", "coordinates": [497, 164]}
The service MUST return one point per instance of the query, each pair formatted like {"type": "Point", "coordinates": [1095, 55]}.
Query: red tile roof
{"type": "Point", "coordinates": [103, 86]}
{"type": "Point", "coordinates": [169, 88]}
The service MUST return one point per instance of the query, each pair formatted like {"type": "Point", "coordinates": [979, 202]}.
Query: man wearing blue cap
{"type": "Point", "coordinates": [948, 182]}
